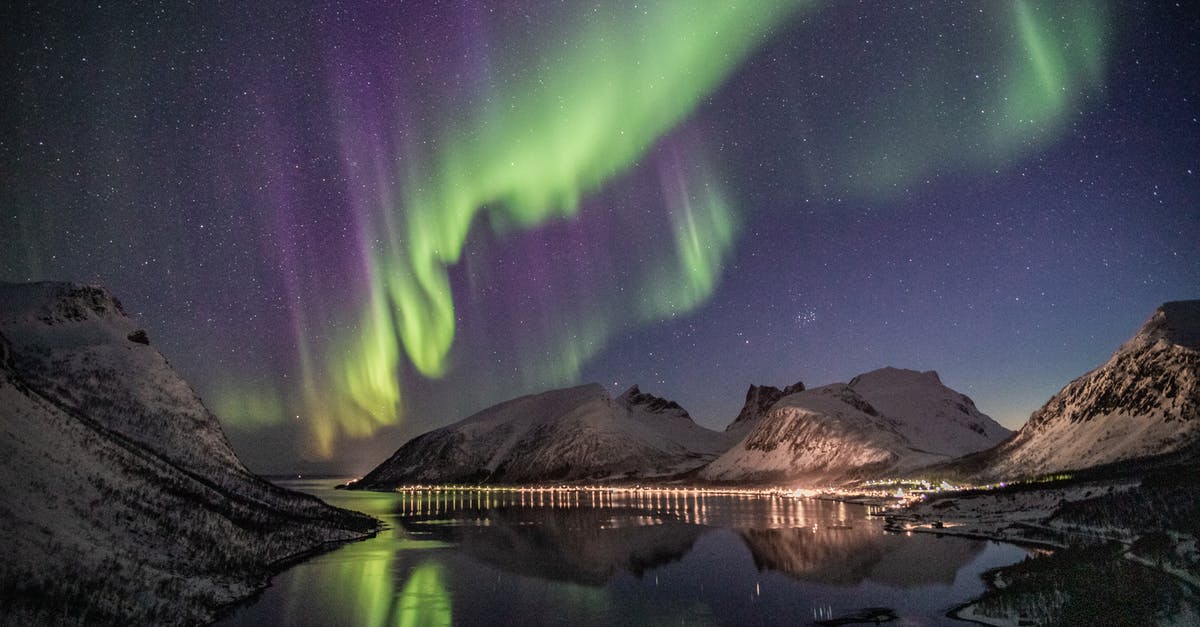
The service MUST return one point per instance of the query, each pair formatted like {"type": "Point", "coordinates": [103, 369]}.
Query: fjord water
{"type": "Point", "coordinates": [625, 558]}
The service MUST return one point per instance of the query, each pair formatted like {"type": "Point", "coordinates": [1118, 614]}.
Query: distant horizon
{"type": "Point", "coordinates": [615, 388]}
{"type": "Point", "coordinates": [347, 226]}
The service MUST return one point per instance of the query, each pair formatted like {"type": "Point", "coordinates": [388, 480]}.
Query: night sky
{"type": "Point", "coordinates": [348, 223]}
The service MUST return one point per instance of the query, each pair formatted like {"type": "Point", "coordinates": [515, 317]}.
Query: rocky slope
{"type": "Point", "coordinates": [882, 422]}
{"type": "Point", "coordinates": [570, 434]}
{"type": "Point", "coordinates": [1144, 401]}
{"type": "Point", "coordinates": [120, 497]}
{"type": "Point", "coordinates": [759, 399]}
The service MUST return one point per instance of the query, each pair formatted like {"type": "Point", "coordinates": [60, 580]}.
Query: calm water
{"type": "Point", "coordinates": [624, 559]}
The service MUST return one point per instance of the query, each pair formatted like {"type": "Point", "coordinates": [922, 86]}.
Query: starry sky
{"type": "Point", "coordinates": [346, 223]}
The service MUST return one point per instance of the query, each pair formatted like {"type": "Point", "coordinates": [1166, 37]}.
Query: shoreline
{"type": "Point", "coordinates": [1026, 519]}
{"type": "Point", "coordinates": [277, 567]}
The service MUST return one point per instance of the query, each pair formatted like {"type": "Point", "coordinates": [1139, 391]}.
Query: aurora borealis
{"type": "Point", "coordinates": [347, 223]}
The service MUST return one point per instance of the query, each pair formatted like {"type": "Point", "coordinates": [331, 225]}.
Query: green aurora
{"type": "Point", "coordinates": [623, 77]}
{"type": "Point", "coordinates": [584, 106]}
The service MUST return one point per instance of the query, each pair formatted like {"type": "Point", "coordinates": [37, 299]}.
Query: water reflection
{"type": "Point", "coordinates": [621, 557]}
{"type": "Point", "coordinates": [851, 556]}
{"type": "Point", "coordinates": [696, 507]}
{"type": "Point", "coordinates": [581, 545]}
{"type": "Point", "coordinates": [424, 600]}
{"type": "Point", "coordinates": [588, 536]}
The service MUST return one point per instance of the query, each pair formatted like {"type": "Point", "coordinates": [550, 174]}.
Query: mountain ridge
{"type": "Point", "coordinates": [885, 420]}
{"type": "Point", "coordinates": [1143, 401]}
{"type": "Point", "coordinates": [121, 497]}
{"type": "Point", "coordinates": [759, 399]}
{"type": "Point", "coordinates": [568, 434]}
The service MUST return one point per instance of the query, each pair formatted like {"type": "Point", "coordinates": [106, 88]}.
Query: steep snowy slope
{"type": "Point", "coordinates": [119, 496]}
{"type": "Point", "coordinates": [882, 422]}
{"type": "Point", "coordinates": [569, 434]}
{"type": "Point", "coordinates": [1144, 401]}
{"type": "Point", "coordinates": [75, 343]}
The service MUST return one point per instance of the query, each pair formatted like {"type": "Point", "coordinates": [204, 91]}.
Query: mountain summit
{"type": "Point", "coordinates": [884, 421]}
{"type": "Point", "coordinates": [759, 398]}
{"type": "Point", "coordinates": [1144, 401]}
{"type": "Point", "coordinates": [562, 435]}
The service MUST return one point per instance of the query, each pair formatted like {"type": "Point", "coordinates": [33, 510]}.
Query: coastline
{"type": "Point", "coordinates": [277, 567]}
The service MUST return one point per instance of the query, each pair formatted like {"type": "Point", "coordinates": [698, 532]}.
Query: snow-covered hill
{"type": "Point", "coordinates": [1144, 401]}
{"type": "Point", "coordinates": [885, 421]}
{"type": "Point", "coordinates": [120, 497]}
{"type": "Point", "coordinates": [577, 433]}
{"type": "Point", "coordinates": [928, 414]}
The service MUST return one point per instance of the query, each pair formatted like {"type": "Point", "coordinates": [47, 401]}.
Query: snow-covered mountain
{"type": "Point", "coordinates": [884, 421]}
{"type": "Point", "coordinates": [1144, 401]}
{"type": "Point", "coordinates": [577, 433]}
{"type": "Point", "coordinates": [759, 399]}
{"type": "Point", "coordinates": [120, 497]}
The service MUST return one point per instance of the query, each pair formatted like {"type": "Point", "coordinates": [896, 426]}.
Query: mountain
{"type": "Point", "coordinates": [120, 497]}
{"type": "Point", "coordinates": [884, 421]}
{"type": "Point", "coordinates": [562, 435]}
{"type": "Point", "coordinates": [759, 399]}
{"type": "Point", "coordinates": [1144, 401]}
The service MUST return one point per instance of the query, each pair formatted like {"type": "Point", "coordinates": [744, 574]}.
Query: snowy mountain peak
{"type": "Point", "coordinates": [793, 388]}
{"type": "Point", "coordinates": [542, 406]}
{"type": "Point", "coordinates": [650, 403]}
{"type": "Point", "coordinates": [898, 377]}
{"type": "Point", "coordinates": [1144, 401]}
{"type": "Point", "coordinates": [54, 303]}
{"type": "Point", "coordinates": [570, 434]}
{"type": "Point", "coordinates": [923, 408]}
{"type": "Point", "coordinates": [760, 398]}
{"type": "Point", "coordinates": [1176, 322]}
{"type": "Point", "coordinates": [75, 341]}
{"type": "Point", "coordinates": [882, 421]}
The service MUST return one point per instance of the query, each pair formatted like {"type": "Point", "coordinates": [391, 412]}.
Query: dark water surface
{"type": "Point", "coordinates": [475, 558]}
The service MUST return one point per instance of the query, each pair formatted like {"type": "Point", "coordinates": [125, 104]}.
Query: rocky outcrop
{"type": "Point", "coordinates": [651, 403]}
{"type": "Point", "coordinates": [759, 399]}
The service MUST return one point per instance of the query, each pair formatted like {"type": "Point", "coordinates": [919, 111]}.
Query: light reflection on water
{"type": "Point", "coordinates": [551, 557]}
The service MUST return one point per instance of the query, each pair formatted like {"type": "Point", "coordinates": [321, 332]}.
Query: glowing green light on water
{"type": "Point", "coordinates": [424, 600]}
{"type": "Point", "coordinates": [369, 583]}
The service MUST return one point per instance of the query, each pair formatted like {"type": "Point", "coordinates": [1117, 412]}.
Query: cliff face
{"type": "Point", "coordinates": [121, 498]}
